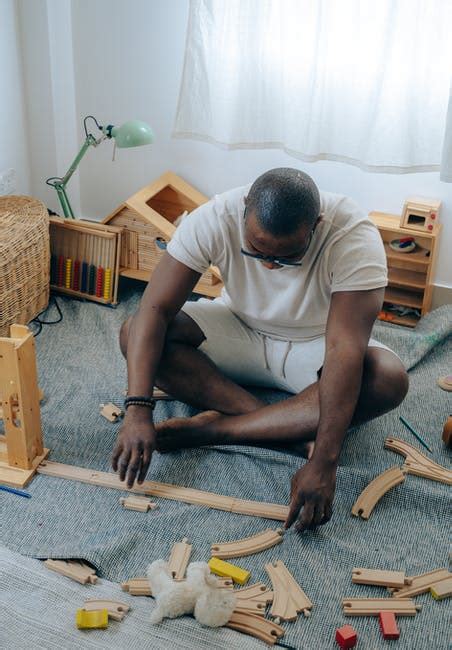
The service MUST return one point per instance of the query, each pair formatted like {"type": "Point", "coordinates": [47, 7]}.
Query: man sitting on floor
{"type": "Point", "coordinates": [304, 275]}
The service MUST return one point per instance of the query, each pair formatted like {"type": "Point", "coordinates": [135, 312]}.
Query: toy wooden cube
{"type": "Point", "coordinates": [346, 637]}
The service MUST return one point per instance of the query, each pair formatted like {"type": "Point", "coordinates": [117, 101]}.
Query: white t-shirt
{"type": "Point", "coordinates": [346, 253]}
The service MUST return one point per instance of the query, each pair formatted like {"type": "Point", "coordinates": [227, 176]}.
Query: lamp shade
{"type": "Point", "coordinates": [132, 134]}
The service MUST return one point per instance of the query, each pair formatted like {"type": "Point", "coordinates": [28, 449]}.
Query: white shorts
{"type": "Point", "coordinates": [251, 358]}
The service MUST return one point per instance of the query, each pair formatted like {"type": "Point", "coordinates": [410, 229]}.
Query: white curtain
{"type": "Point", "coordinates": [360, 81]}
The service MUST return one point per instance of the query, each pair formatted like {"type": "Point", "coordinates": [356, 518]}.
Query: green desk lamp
{"type": "Point", "coordinates": [130, 134]}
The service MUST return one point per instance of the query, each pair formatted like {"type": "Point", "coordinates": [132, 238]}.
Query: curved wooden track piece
{"type": "Point", "coordinates": [373, 606]}
{"type": "Point", "coordinates": [253, 599]}
{"type": "Point", "coordinates": [178, 560]}
{"type": "Point", "coordinates": [417, 463]}
{"type": "Point", "coordinates": [257, 626]}
{"type": "Point", "coordinates": [371, 494]}
{"type": "Point", "coordinates": [289, 598]}
{"type": "Point", "coordinates": [422, 583]}
{"type": "Point", "coordinates": [116, 609]}
{"type": "Point", "coordinates": [247, 545]}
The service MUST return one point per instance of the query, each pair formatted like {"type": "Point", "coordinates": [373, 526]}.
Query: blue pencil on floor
{"type": "Point", "coordinates": [20, 493]}
{"type": "Point", "coordinates": [415, 434]}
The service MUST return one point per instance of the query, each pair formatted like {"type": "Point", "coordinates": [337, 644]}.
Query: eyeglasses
{"type": "Point", "coordinates": [274, 259]}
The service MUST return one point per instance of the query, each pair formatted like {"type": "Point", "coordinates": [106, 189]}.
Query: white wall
{"type": "Point", "coordinates": [13, 132]}
{"type": "Point", "coordinates": [128, 59]}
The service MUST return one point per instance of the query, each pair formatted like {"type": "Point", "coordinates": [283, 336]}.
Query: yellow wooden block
{"type": "Point", "coordinates": [91, 620]}
{"type": "Point", "coordinates": [228, 570]}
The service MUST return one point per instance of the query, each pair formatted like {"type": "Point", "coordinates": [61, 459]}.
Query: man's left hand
{"type": "Point", "coordinates": [311, 496]}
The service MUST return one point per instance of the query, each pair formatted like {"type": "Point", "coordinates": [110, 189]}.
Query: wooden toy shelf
{"type": "Point", "coordinates": [410, 275]}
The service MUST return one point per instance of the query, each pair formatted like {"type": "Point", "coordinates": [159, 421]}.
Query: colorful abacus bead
{"type": "Point", "coordinates": [107, 284]}
{"type": "Point", "coordinates": [60, 271]}
{"type": "Point", "coordinates": [68, 273]}
{"type": "Point", "coordinates": [76, 276]}
{"type": "Point", "coordinates": [84, 282]}
{"type": "Point", "coordinates": [92, 280]}
{"type": "Point", "coordinates": [99, 282]}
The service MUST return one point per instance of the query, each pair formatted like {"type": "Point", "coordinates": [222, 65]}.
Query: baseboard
{"type": "Point", "coordinates": [441, 296]}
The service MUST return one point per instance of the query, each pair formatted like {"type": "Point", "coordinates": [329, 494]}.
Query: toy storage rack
{"type": "Point", "coordinates": [85, 259]}
{"type": "Point", "coordinates": [410, 275]}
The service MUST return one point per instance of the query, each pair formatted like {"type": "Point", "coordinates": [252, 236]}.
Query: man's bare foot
{"type": "Point", "coordinates": [179, 433]}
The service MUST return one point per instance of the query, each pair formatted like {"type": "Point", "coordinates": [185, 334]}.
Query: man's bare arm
{"type": "Point", "coordinates": [168, 289]}
{"type": "Point", "coordinates": [350, 320]}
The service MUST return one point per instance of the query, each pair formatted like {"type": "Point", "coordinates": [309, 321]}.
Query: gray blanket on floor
{"type": "Point", "coordinates": [80, 367]}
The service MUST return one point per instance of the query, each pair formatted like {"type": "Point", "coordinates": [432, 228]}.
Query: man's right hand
{"type": "Point", "coordinates": [136, 442]}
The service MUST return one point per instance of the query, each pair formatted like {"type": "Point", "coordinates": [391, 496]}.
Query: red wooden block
{"type": "Point", "coordinates": [388, 625]}
{"type": "Point", "coordinates": [346, 637]}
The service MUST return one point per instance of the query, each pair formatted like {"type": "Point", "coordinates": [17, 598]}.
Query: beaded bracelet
{"type": "Point", "coordinates": [139, 400]}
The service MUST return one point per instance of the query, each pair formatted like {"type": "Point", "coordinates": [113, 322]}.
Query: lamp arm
{"type": "Point", "coordinates": [60, 183]}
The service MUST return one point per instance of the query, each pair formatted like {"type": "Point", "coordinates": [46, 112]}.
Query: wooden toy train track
{"type": "Point", "coordinates": [373, 492]}
{"type": "Point", "coordinates": [422, 583]}
{"type": "Point", "coordinates": [373, 606]}
{"type": "Point", "coordinates": [257, 626]}
{"type": "Point", "coordinates": [248, 545]}
{"type": "Point", "coordinates": [417, 463]}
{"type": "Point", "coordinates": [289, 598]}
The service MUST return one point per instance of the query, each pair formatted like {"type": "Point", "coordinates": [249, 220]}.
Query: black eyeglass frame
{"type": "Point", "coordinates": [274, 259]}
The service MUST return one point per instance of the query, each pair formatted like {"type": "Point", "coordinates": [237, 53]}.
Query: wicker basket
{"type": "Point", "coordinates": [24, 260]}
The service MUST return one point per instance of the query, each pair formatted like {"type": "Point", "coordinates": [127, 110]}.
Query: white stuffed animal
{"type": "Point", "coordinates": [200, 594]}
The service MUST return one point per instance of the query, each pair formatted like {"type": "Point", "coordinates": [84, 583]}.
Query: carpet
{"type": "Point", "coordinates": [80, 367]}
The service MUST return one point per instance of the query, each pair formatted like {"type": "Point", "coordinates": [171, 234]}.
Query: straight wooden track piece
{"type": "Point", "coordinates": [442, 589]}
{"type": "Point", "coordinates": [256, 626]}
{"type": "Point", "coordinates": [417, 463]}
{"type": "Point", "coordinates": [178, 559]}
{"type": "Point", "coordinates": [253, 599]}
{"type": "Point", "coordinates": [422, 583]}
{"type": "Point", "coordinates": [373, 606]}
{"type": "Point", "coordinates": [116, 609]}
{"type": "Point", "coordinates": [247, 545]}
{"type": "Point", "coordinates": [289, 598]}
{"type": "Point", "coordinates": [166, 491]}
{"type": "Point", "coordinates": [75, 569]}
{"type": "Point", "coordinates": [141, 504]}
{"type": "Point", "coordinates": [396, 579]}
{"type": "Point", "coordinates": [137, 587]}
{"type": "Point", "coordinates": [374, 491]}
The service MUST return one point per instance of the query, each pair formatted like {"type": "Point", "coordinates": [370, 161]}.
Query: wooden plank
{"type": "Point", "coordinates": [165, 491]}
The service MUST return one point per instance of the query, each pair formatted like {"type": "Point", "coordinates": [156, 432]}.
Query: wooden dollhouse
{"type": "Point", "coordinates": [147, 220]}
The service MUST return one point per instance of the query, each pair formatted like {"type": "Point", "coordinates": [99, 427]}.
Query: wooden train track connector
{"type": "Point", "coordinates": [289, 599]}
{"type": "Point", "coordinates": [417, 463]}
{"type": "Point", "coordinates": [178, 560]}
{"type": "Point", "coordinates": [116, 609]}
{"type": "Point", "coordinates": [256, 626]}
{"type": "Point", "coordinates": [253, 599]}
{"type": "Point", "coordinates": [74, 569]}
{"type": "Point", "coordinates": [422, 583]}
{"type": "Point", "coordinates": [111, 412]}
{"type": "Point", "coordinates": [377, 577]}
{"type": "Point", "coordinates": [373, 606]}
{"type": "Point", "coordinates": [141, 504]}
{"type": "Point", "coordinates": [247, 545]}
{"type": "Point", "coordinates": [375, 490]}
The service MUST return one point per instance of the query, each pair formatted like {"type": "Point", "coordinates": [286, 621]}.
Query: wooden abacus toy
{"type": "Point", "coordinates": [85, 259]}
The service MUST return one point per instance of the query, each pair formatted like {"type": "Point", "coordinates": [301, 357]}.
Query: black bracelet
{"type": "Point", "coordinates": [139, 400]}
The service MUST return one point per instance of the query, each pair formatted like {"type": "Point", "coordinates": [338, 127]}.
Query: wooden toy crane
{"type": "Point", "coordinates": [21, 447]}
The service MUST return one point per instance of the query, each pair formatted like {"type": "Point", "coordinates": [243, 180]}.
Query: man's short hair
{"type": "Point", "coordinates": [284, 200]}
